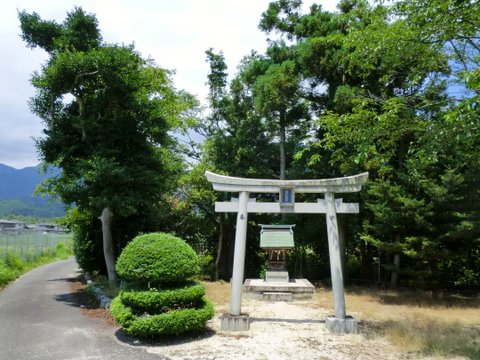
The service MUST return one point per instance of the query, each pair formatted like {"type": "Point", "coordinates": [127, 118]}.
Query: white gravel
{"type": "Point", "coordinates": [278, 331]}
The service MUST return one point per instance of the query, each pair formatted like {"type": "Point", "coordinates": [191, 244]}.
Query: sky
{"type": "Point", "coordinates": [175, 33]}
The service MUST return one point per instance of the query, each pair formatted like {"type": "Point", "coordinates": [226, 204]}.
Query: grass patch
{"type": "Point", "coordinates": [430, 337]}
{"type": "Point", "coordinates": [12, 265]}
{"type": "Point", "coordinates": [431, 324]}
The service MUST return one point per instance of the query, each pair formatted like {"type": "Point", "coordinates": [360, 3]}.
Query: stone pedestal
{"type": "Point", "coordinates": [231, 322]}
{"type": "Point", "coordinates": [342, 326]}
{"type": "Point", "coordinates": [276, 277]}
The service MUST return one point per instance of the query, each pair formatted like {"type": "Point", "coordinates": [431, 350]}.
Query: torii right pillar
{"type": "Point", "coordinates": [340, 323]}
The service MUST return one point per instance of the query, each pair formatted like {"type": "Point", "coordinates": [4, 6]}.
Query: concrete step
{"type": "Point", "coordinates": [299, 288]}
{"type": "Point", "coordinates": [277, 296]}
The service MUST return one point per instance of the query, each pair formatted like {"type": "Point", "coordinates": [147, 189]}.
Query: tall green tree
{"type": "Point", "coordinates": [237, 143]}
{"type": "Point", "coordinates": [277, 99]}
{"type": "Point", "coordinates": [378, 84]}
{"type": "Point", "coordinates": [449, 158]}
{"type": "Point", "coordinates": [107, 114]}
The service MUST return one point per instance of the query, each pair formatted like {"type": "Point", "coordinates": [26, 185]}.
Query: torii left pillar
{"type": "Point", "coordinates": [239, 254]}
{"type": "Point", "coordinates": [235, 320]}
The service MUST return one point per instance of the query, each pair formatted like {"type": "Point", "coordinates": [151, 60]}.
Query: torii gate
{"type": "Point", "coordinates": [287, 189]}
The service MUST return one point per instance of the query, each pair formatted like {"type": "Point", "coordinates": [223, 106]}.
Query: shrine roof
{"type": "Point", "coordinates": [277, 236]}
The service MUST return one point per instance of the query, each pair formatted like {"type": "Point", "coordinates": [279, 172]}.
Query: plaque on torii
{"type": "Point", "coordinates": [287, 190]}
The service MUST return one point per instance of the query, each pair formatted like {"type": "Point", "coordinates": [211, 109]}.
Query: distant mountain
{"type": "Point", "coordinates": [17, 197]}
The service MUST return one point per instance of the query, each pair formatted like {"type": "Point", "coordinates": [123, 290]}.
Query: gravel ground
{"type": "Point", "coordinates": [278, 331]}
{"type": "Point", "coordinates": [292, 330]}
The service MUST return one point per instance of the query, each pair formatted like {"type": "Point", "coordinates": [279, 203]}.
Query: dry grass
{"type": "Point", "coordinates": [218, 292]}
{"type": "Point", "coordinates": [418, 323]}
{"type": "Point", "coordinates": [421, 322]}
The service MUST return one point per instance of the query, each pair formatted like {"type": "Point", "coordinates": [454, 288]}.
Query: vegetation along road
{"type": "Point", "coordinates": [42, 320]}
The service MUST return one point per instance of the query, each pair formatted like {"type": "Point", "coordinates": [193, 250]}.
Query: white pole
{"type": "Point", "coordinates": [239, 255]}
{"type": "Point", "coordinates": [335, 256]}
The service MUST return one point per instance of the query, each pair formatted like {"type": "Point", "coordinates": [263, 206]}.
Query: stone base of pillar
{"type": "Point", "coordinates": [231, 322]}
{"type": "Point", "coordinates": [341, 326]}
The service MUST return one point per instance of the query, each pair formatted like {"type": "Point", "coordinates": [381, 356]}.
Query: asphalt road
{"type": "Point", "coordinates": [40, 320]}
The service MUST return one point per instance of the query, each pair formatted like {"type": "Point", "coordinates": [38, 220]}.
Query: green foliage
{"type": "Point", "coordinates": [111, 138]}
{"type": "Point", "coordinates": [157, 258]}
{"type": "Point", "coordinates": [31, 207]}
{"type": "Point", "coordinates": [174, 322]}
{"type": "Point", "coordinates": [62, 252]}
{"type": "Point", "coordinates": [122, 314]}
{"type": "Point", "coordinates": [163, 300]}
{"type": "Point", "coordinates": [37, 220]}
{"type": "Point", "coordinates": [263, 270]}
{"type": "Point", "coordinates": [366, 88]}
{"type": "Point", "coordinates": [376, 78]}
{"type": "Point", "coordinates": [31, 253]}
{"type": "Point", "coordinates": [159, 300]}
{"type": "Point", "coordinates": [78, 32]}
{"type": "Point", "coordinates": [6, 274]}
{"type": "Point", "coordinates": [87, 240]}
{"type": "Point", "coordinates": [207, 266]}
{"type": "Point", "coordinates": [13, 262]}
{"type": "Point", "coordinates": [386, 108]}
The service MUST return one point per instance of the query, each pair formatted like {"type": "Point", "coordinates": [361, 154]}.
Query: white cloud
{"type": "Point", "coordinates": [174, 33]}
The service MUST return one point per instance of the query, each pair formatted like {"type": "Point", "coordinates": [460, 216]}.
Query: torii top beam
{"type": "Point", "coordinates": [345, 184]}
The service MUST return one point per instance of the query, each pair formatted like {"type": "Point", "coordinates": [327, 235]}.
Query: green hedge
{"type": "Point", "coordinates": [157, 258]}
{"type": "Point", "coordinates": [6, 274]}
{"type": "Point", "coordinates": [153, 300]}
{"type": "Point", "coordinates": [158, 298]}
{"type": "Point", "coordinates": [170, 323]}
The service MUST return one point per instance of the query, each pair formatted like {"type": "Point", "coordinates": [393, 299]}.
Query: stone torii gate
{"type": "Point", "coordinates": [286, 190]}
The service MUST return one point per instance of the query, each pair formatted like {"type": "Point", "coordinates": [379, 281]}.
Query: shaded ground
{"type": "Point", "coordinates": [88, 304]}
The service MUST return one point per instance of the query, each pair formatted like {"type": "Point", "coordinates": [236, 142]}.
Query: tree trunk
{"type": "Point", "coordinates": [396, 268]}
{"type": "Point", "coordinates": [220, 245]}
{"type": "Point", "coordinates": [108, 248]}
{"type": "Point", "coordinates": [283, 160]}
{"type": "Point", "coordinates": [81, 111]}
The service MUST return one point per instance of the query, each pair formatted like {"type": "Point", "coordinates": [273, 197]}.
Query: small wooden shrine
{"type": "Point", "coordinates": [277, 240]}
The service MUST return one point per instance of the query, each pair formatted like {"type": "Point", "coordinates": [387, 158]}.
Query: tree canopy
{"type": "Point", "coordinates": [107, 114]}
{"type": "Point", "coordinates": [372, 87]}
{"type": "Point", "coordinates": [391, 88]}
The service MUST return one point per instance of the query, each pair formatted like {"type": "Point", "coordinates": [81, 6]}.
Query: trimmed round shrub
{"type": "Point", "coordinates": [153, 300]}
{"type": "Point", "coordinates": [157, 258]}
{"type": "Point", "coordinates": [174, 322]}
{"type": "Point", "coordinates": [158, 298]}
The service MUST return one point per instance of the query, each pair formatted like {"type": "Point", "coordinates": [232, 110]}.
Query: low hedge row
{"type": "Point", "coordinates": [174, 322]}
{"type": "Point", "coordinates": [163, 300]}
